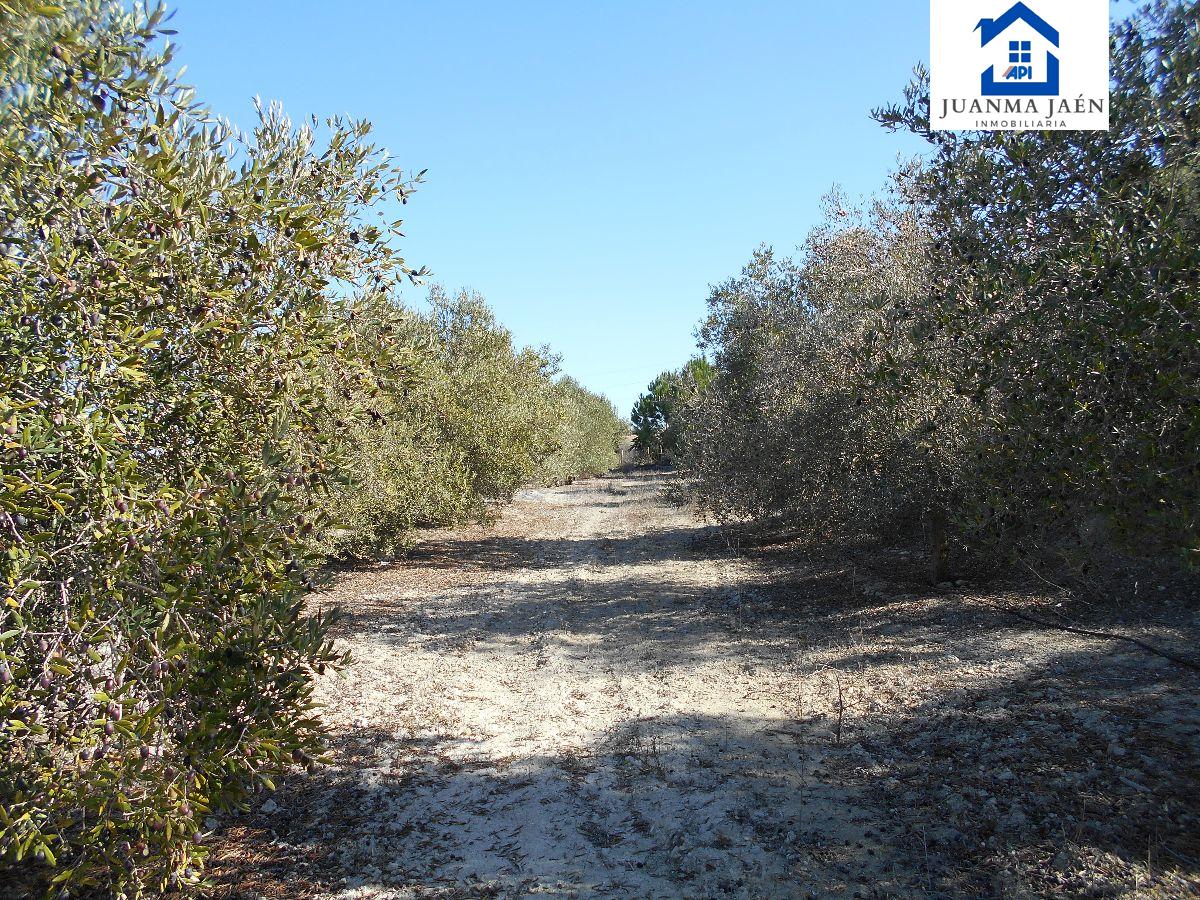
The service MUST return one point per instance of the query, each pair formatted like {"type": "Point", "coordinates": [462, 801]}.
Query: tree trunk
{"type": "Point", "coordinates": [939, 545]}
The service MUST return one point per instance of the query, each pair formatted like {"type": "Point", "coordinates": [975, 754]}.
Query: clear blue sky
{"type": "Point", "coordinates": [593, 167]}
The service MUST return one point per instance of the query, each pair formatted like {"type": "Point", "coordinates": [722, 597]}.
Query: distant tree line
{"type": "Point", "coordinates": [657, 414]}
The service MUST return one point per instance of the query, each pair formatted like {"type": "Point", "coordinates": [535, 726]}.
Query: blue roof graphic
{"type": "Point", "coordinates": [990, 28]}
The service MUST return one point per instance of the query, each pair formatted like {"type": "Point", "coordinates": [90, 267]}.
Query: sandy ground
{"type": "Point", "coordinates": [597, 697]}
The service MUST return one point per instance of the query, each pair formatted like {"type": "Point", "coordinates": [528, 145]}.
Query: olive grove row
{"type": "Point", "coordinates": [208, 387]}
{"type": "Point", "coordinates": [999, 351]}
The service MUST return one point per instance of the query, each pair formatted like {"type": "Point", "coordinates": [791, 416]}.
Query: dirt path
{"type": "Point", "coordinates": [596, 698]}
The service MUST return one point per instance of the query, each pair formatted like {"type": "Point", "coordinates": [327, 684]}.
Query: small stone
{"type": "Point", "coordinates": [1015, 819]}
{"type": "Point", "coordinates": [269, 807]}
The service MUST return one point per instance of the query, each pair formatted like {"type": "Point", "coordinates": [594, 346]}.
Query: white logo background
{"type": "Point", "coordinates": [957, 63]}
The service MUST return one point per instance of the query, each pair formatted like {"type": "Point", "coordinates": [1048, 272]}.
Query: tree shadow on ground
{"type": "Point", "coordinates": [504, 553]}
{"type": "Point", "coordinates": [1074, 772]}
{"type": "Point", "coordinates": [1076, 778]}
{"type": "Point", "coordinates": [1003, 758]}
{"type": "Point", "coordinates": [661, 806]}
{"type": "Point", "coordinates": [886, 610]}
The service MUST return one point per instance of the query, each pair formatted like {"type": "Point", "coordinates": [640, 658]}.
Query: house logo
{"type": "Point", "coordinates": [1019, 69]}
{"type": "Point", "coordinates": [1000, 65]}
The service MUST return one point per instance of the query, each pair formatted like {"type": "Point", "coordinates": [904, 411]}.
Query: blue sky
{"type": "Point", "coordinates": [592, 167]}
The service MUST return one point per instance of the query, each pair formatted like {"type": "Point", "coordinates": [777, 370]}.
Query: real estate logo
{"type": "Point", "coordinates": [999, 65]}
{"type": "Point", "coordinates": [1020, 56]}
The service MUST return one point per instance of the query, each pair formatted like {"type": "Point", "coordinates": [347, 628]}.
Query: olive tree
{"type": "Point", "coordinates": [1062, 304]}
{"type": "Point", "coordinates": [438, 416]}
{"type": "Point", "coordinates": [797, 428]}
{"type": "Point", "coordinates": [167, 288]}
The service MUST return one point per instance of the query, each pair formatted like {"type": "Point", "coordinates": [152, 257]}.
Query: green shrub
{"type": "Point", "coordinates": [164, 308]}
{"type": "Point", "coordinates": [796, 429]}
{"type": "Point", "coordinates": [1005, 346]}
{"type": "Point", "coordinates": [1063, 301]}
{"type": "Point", "coordinates": [495, 407]}
{"type": "Point", "coordinates": [440, 417]}
{"type": "Point", "coordinates": [589, 431]}
{"type": "Point", "coordinates": [206, 389]}
{"type": "Point", "coordinates": [394, 473]}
